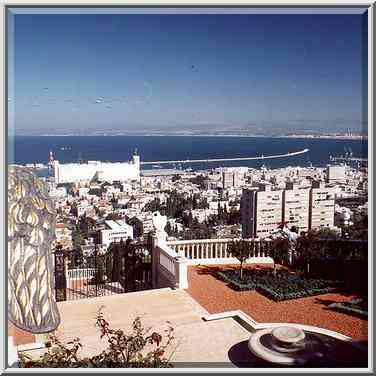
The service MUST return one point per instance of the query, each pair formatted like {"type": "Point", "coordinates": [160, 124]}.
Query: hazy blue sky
{"type": "Point", "coordinates": [126, 71]}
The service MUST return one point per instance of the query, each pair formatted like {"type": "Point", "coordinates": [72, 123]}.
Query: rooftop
{"type": "Point", "coordinates": [115, 225]}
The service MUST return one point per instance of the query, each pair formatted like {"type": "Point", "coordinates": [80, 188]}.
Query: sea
{"type": "Point", "coordinates": [35, 149]}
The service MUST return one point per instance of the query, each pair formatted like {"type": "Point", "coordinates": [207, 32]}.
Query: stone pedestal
{"type": "Point", "coordinates": [12, 353]}
{"type": "Point", "coordinates": [181, 272]}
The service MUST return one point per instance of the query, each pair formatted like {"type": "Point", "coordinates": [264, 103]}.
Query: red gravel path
{"type": "Point", "coordinates": [216, 297]}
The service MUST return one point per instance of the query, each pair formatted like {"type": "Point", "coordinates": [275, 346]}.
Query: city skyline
{"type": "Point", "coordinates": [144, 72]}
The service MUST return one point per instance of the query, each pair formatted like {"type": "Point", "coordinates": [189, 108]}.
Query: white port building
{"type": "Point", "coordinates": [102, 171]}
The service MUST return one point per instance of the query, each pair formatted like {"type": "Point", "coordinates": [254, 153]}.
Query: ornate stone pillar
{"type": "Point", "coordinates": [31, 232]}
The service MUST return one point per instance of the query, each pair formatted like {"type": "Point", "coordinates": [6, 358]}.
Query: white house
{"type": "Point", "coordinates": [116, 231]}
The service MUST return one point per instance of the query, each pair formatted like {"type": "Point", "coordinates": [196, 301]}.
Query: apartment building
{"type": "Point", "coordinates": [295, 206]}
{"type": "Point", "coordinates": [261, 210]}
{"type": "Point", "coordinates": [321, 205]}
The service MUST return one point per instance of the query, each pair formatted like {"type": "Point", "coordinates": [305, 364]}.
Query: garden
{"type": "Point", "coordinates": [277, 285]}
{"type": "Point", "coordinates": [317, 266]}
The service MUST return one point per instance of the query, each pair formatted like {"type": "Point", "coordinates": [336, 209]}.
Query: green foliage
{"type": "Point", "coordinates": [171, 230]}
{"type": "Point", "coordinates": [96, 191]}
{"type": "Point", "coordinates": [153, 206]}
{"type": "Point", "coordinates": [357, 308]}
{"type": "Point", "coordinates": [114, 202]}
{"type": "Point", "coordinates": [199, 180]}
{"type": "Point", "coordinates": [225, 217]}
{"type": "Point", "coordinates": [327, 234]}
{"type": "Point", "coordinates": [138, 349]}
{"type": "Point", "coordinates": [86, 225]}
{"type": "Point", "coordinates": [113, 217]}
{"type": "Point", "coordinates": [279, 250]}
{"type": "Point", "coordinates": [138, 228]}
{"type": "Point", "coordinates": [312, 247]}
{"type": "Point", "coordinates": [68, 186]}
{"type": "Point", "coordinates": [279, 285]}
{"type": "Point", "coordinates": [240, 250]}
{"type": "Point", "coordinates": [74, 210]}
{"type": "Point", "coordinates": [77, 238]}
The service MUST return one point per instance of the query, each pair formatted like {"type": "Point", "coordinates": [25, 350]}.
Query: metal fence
{"type": "Point", "coordinates": [124, 267]}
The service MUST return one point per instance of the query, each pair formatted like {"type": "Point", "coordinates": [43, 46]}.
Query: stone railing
{"type": "Point", "coordinates": [214, 251]}
{"type": "Point", "coordinates": [169, 268]}
{"type": "Point", "coordinates": [171, 259]}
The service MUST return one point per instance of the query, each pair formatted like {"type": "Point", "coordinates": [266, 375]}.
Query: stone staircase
{"type": "Point", "coordinates": [195, 339]}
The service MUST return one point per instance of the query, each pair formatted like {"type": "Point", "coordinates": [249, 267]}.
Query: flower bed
{"type": "Point", "coordinates": [279, 286]}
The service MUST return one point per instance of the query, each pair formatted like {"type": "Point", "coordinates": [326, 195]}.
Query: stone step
{"type": "Point", "coordinates": [155, 323]}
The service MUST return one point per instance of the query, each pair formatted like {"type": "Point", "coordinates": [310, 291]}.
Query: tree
{"type": "Point", "coordinates": [74, 210]}
{"type": "Point", "coordinates": [113, 217]}
{"type": "Point", "coordinates": [327, 233]}
{"type": "Point", "coordinates": [203, 204]}
{"type": "Point", "coordinates": [241, 250]}
{"type": "Point", "coordinates": [96, 191]}
{"type": "Point", "coordinates": [279, 250]}
{"type": "Point", "coordinates": [77, 239]}
{"type": "Point", "coordinates": [199, 180]}
{"type": "Point", "coordinates": [152, 206]}
{"type": "Point", "coordinates": [168, 229]}
{"type": "Point", "coordinates": [114, 202]}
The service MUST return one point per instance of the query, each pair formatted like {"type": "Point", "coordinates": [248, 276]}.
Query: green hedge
{"type": "Point", "coordinates": [278, 296]}
{"type": "Point", "coordinates": [283, 286]}
{"type": "Point", "coordinates": [238, 286]}
{"type": "Point", "coordinates": [341, 307]}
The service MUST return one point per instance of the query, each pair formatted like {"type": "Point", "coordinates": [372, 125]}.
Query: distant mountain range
{"type": "Point", "coordinates": [302, 128]}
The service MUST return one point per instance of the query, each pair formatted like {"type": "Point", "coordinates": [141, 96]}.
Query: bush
{"type": "Point", "coordinates": [123, 351]}
{"type": "Point", "coordinates": [351, 308]}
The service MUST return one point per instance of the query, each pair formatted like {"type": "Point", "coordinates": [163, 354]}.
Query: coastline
{"type": "Point", "coordinates": [310, 137]}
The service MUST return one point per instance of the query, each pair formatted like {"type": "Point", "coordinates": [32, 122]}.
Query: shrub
{"type": "Point", "coordinates": [350, 308]}
{"type": "Point", "coordinates": [278, 286]}
{"type": "Point", "coordinates": [123, 351]}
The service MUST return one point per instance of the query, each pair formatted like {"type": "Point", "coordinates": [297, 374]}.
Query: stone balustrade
{"type": "Point", "coordinates": [169, 268]}
{"type": "Point", "coordinates": [171, 259]}
{"type": "Point", "coordinates": [214, 251]}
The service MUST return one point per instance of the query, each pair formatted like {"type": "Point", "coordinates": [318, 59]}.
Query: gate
{"type": "Point", "coordinates": [124, 267]}
{"type": "Point", "coordinates": [60, 280]}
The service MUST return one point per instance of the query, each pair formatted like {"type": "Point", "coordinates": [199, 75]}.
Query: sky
{"type": "Point", "coordinates": [144, 71]}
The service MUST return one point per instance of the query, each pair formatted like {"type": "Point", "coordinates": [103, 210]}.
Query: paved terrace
{"type": "Point", "coordinates": [197, 342]}
{"type": "Point", "coordinates": [216, 297]}
{"type": "Point", "coordinates": [221, 342]}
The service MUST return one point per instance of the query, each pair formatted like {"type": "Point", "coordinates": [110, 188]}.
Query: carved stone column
{"type": "Point", "coordinates": [31, 231]}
